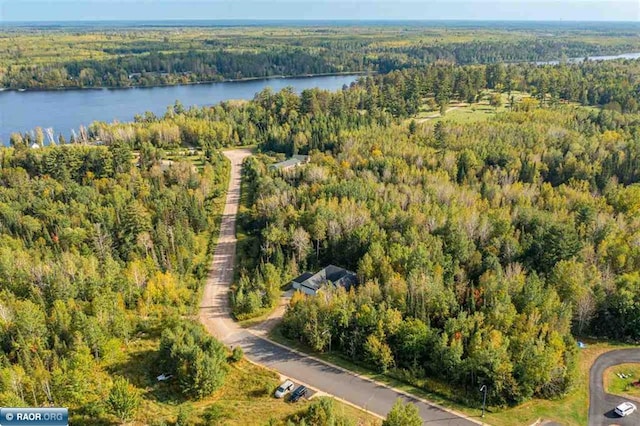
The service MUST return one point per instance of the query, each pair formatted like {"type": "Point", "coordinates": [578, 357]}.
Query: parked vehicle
{"type": "Point", "coordinates": [284, 388]}
{"type": "Point", "coordinates": [625, 409]}
{"type": "Point", "coordinates": [298, 393]}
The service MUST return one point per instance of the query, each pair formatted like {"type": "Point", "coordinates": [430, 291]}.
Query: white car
{"type": "Point", "coordinates": [625, 409]}
{"type": "Point", "coordinates": [284, 388]}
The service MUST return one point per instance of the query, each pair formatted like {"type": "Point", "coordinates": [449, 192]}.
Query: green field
{"type": "Point", "coordinates": [246, 398]}
{"type": "Point", "coordinates": [624, 386]}
{"type": "Point", "coordinates": [482, 110]}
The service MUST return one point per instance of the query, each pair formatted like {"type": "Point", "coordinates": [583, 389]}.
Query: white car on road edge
{"type": "Point", "coordinates": [625, 409]}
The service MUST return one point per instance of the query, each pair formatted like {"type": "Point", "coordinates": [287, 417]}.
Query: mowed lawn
{"type": "Point", "coordinates": [462, 112]}
{"type": "Point", "coordinates": [246, 398]}
{"type": "Point", "coordinates": [628, 385]}
{"type": "Point", "coordinates": [467, 113]}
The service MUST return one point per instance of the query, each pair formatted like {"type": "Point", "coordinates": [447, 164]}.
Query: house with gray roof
{"type": "Point", "coordinates": [311, 284]}
{"type": "Point", "coordinates": [295, 161]}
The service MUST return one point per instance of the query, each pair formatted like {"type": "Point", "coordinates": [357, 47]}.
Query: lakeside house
{"type": "Point", "coordinates": [293, 162]}
{"type": "Point", "coordinates": [311, 284]}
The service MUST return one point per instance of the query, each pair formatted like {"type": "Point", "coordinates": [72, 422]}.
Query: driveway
{"type": "Point", "coordinates": [215, 315]}
{"type": "Point", "coordinates": [601, 404]}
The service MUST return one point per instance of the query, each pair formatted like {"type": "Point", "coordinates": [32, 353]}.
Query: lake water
{"type": "Point", "coordinates": [595, 58]}
{"type": "Point", "coordinates": [68, 109]}
{"type": "Point", "coordinates": [64, 110]}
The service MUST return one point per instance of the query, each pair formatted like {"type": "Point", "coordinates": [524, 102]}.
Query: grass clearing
{"type": "Point", "coordinates": [256, 318]}
{"type": "Point", "coordinates": [192, 155]}
{"type": "Point", "coordinates": [462, 112]}
{"type": "Point", "coordinates": [628, 386]}
{"type": "Point", "coordinates": [572, 410]}
{"type": "Point", "coordinates": [469, 114]}
{"type": "Point", "coordinates": [246, 398]}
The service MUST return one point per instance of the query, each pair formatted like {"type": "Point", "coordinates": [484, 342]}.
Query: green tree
{"type": "Point", "coordinates": [321, 412]}
{"type": "Point", "coordinates": [378, 353]}
{"type": "Point", "coordinates": [196, 359]}
{"type": "Point", "coordinates": [124, 399]}
{"type": "Point", "coordinates": [403, 415]}
{"type": "Point", "coordinates": [237, 354]}
{"type": "Point", "coordinates": [495, 100]}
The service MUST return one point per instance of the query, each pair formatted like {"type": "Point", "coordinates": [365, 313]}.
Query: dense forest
{"type": "Point", "coordinates": [481, 248]}
{"type": "Point", "coordinates": [476, 256]}
{"type": "Point", "coordinates": [49, 58]}
{"type": "Point", "coordinates": [98, 246]}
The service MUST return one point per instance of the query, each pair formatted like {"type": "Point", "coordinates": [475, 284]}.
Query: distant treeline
{"type": "Point", "coordinates": [162, 69]}
{"type": "Point", "coordinates": [146, 64]}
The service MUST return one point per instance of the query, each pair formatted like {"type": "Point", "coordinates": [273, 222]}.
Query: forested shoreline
{"type": "Point", "coordinates": [611, 85]}
{"type": "Point", "coordinates": [204, 82]}
{"type": "Point", "coordinates": [53, 58]}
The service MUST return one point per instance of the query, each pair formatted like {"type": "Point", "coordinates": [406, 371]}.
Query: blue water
{"type": "Point", "coordinates": [594, 58]}
{"type": "Point", "coordinates": [65, 110]}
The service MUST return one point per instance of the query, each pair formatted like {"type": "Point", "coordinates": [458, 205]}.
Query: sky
{"type": "Point", "coordinates": [534, 10]}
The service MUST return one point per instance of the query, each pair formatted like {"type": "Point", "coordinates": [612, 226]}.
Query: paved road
{"type": "Point", "coordinates": [216, 317]}
{"type": "Point", "coordinates": [601, 404]}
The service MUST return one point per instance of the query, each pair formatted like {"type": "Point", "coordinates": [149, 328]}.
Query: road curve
{"type": "Point", "coordinates": [215, 315]}
{"type": "Point", "coordinates": [601, 404]}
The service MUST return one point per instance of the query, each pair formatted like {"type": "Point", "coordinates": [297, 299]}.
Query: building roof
{"type": "Point", "coordinates": [291, 162]}
{"type": "Point", "coordinates": [334, 274]}
{"type": "Point", "coordinates": [302, 278]}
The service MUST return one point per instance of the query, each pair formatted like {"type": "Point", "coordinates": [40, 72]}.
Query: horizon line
{"type": "Point", "coordinates": [322, 20]}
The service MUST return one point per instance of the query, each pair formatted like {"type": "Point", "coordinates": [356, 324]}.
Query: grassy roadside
{"type": "Point", "coordinates": [216, 210]}
{"type": "Point", "coordinates": [623, 386]}
{"type": "Point", "coordinates": [256, 318]}
{"type": "Point", "coordinates": [246, 398]}
{"type": "Point", "coordinates": [244, 240]}
{"type": "Point", "coordinates": [247, 253]}
{"type": "Point", "coordinates": [433, 391]}
{"type": "Point", "coordinates": [571, 410]}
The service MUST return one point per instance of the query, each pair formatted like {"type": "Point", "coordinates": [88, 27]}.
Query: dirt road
{"type": "Point", "coordinates": [215, 315]}
{"type": "Point", "coordinates": [215, 312]}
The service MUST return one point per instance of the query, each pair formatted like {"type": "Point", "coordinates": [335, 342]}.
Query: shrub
{"type": "Point", "coordinates": [403, 415]}
{"type": "Point", "coordinates": [197, 360]}
{"type": "Point", "coordinates": [123, 399]}
{"type": "Point", "coordinates": [237, 354]}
